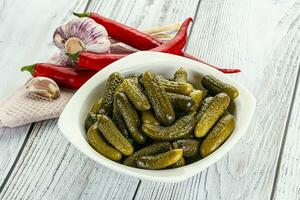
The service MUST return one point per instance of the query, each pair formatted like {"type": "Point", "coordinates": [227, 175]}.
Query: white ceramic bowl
{"type": "Point", "coordinates": [71, 121]}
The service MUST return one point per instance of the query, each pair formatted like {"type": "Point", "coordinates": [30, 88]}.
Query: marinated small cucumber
{"type": "Point", "coordinates": [203, 107]}
{"type": "Point", "coordinates": [179, 163]}
{"type": "Point", "coordinates": [159, 99]}
{"type": "Point", "coordinates": [96, 107]}
{"type": "Point", "coordinates": [150, 150]}
{"type": "Point", "coordinates": [119, 122]}
{"type": "Point", "coordinates": [130, 117]}
{"type": "Point", "coordinates": [149, 118]}
{"type": "Point", "coordinates": [180, 129]}
{"type": "Point", "coordinates": [113, 135]}
{"type": "Point", "coordinates": [190, 147]}
{"type": "Point", "coordinates": [182, 102]}
{"type": "Point", "coordinates": [176, 87]}
{"type": "Point", "coordinates": [90, 119]}
{"type": "Point", "coordinates": [134, 92]}
{"type": "Point", "coordinates": [180, 75]}
{"type": "Point", "coordinates": [159, 161]}
{"type": "Point", "coordinates": [211, 114]}
{"type": "Point", "coordinates": [219, 133]}
{"type": "Point", "coordinates": [113, 81]}
{"type": "Point", "coordinates": [216, 86]}
{"type": "Point", "coordinates": [197, 96]}
{"type": "Point", "coordinates": [98, 143]}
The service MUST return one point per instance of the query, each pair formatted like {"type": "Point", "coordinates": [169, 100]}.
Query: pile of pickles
{"type": "Point", "coordinates": [150, 122]}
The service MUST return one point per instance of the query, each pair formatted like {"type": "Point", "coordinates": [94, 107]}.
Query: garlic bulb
{"type": "Point", "coordinates": [43, 86]}
{"type": "Point", "coordinates": [81, 34]}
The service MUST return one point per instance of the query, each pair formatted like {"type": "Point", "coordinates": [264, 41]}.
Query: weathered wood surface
{"type": "Point", "coordinates": [226, 33]}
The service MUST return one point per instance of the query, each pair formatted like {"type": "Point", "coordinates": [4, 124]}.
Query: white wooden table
{"type": "Point", "coordinates": [261, 37]}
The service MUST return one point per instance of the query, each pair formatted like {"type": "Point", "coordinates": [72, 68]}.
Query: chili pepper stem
{"type": "Point", "coordinates": [86, 14]}
{"type": "Point", "coordinates": [29, 68]}
{"type": "Point", "coordinates": [73, 57]}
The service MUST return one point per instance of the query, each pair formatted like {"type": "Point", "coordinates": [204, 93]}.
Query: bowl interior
{"type": "Point", "coordinates": [71, 122]}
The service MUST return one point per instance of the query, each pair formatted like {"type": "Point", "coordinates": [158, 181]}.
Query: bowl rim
{"type": "Point", "coordinates": [136, 59]}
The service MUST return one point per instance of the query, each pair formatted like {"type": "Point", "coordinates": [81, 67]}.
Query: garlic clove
{"type": "Point", "coordinates": [44, 87]}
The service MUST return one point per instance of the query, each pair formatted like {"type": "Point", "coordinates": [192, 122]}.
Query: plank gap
{"type": "Point", "coordinates": [283, 141]}
{"type": "Point", "coordinates": [17, 157]}
{"type": "Point", "coordinates": [136, 190]}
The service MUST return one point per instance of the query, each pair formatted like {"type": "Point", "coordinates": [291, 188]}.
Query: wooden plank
{"type": "Point", "coordinates": [288, 177]}
{"type": "Point", "coordinates": [236, 34]}
{"type": "Point", "coordinates": [24, 40]}
{"type": "Point", "coordinates": [49, 166]}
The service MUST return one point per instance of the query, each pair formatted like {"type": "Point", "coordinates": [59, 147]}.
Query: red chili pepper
{"type": "Point", "coordinates": [99, 61]}
{"type": "Point", "coordinates": [94, 61]}
{"type": "Point", "coordinates": [67, 77]}
{"type": "Point", "coordinates": [225, 71]}
{"type": "Point", "coordinates": [123, 33]}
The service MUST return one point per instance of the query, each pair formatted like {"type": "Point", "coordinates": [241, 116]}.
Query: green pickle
{"type": "Point", "coordinates": [180, 129]}
{"type": "Point", "coordinates": [98, 143]}
{"type": "Point", "coordinates": [159, 99]}
{"type": "Point", "coordinates": [180, 75]}
{"type": "Point", "coordinates": [176, 87]}
{"type": "Point", "coordinates": [179, 163]}
{"type": "Point", "coordinates": [149, 118]}
{"type": "Point", "coordinates": [135, 93]}
{"type": "Point", "coordinates": [159, 161]}
{"type": "Point", "coordinates": [119, 122]}
{"type": "Point", "coordinates": [215, 109]}
{"type": "Point", "coordinates": [216, 86]}
{"type": "Point", "coordinates": [96, 106]}
{"type": "Point", "coordinates": [150, 150]}
{"type": "Point", "coordinates": [197, 96]}
{"type": "Point", "coordinates": [190, 147]}
{"type": "Point", "coordinates": [90, 119]}
{"type": "Point", "coordinates": [203, 107]}
{"type": "Point", "coordinates": [219, 133]}
{"type": "Point", "coordinates": [113, 81]}
{"type": "Point", "coordinates": [113, 135]}
{"type": "Point", "coordinates": [130, 117]}
{"type": "Point", "coordinates": [182, 102]}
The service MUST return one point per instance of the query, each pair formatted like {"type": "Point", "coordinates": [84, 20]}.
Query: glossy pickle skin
{"type": "Point", "coordinates": [119, 122]}
{"type": "Point", "coordinates": [179, 163]}
{"type": "Point", "coordinates": [197, 96]}
{"type": "Point", "coordinates": [190, 147]}
{"type": "Point", "coordinates": [150, 150]}
{"type": "Point", "coordinates": [98, 143]}
{"type": "Point", "coordinates": [180, 129]}
{"type": "Point", "coordinates": [113, 82]}
{"type": "Point", "coordinates": [216, 86]}
{"type": "Point", "coordinates": [182, 102]}
{"type": "Point", "coordinates": [217, 136]}
{"type": "Point", "coordinates": [135, 93]}
{"type": "Point", "coordinates": [96, 106]}
{"type": "Point", "coordinates": [90, 119]}
{"type": "Point", "coordinates": [149, 118]}
{"type": "Point", "coordinates": [176, 87]}
{"type": "Point", "coordinates": [113, 135]}
{"type": "Point", "coordinates": [215, 109]}
{"type": "Point", "coordinates": [130, 117]}
{"type": "Point", "coordinates": [159, 99]}
{"type": "Point", "coordinates": [159, 161]}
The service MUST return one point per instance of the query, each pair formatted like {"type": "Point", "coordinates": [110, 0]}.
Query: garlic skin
{"type": "Point", "coordinates": [81, 34]}
{"type": "Point", "coordinates": [43, 86]}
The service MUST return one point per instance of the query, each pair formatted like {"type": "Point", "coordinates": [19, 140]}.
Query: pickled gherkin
{"type": "Point", "coordinates": [175, 87]}
{"type": "Point", "coordinates": [211, 114]}
{"type": "Point", "coordinates": [119, 121]}
{"type": "Point", "coordinates": [149, 118]}
{"type": "Point", "coordinates": [215, 86]}
{"type": "Point", "coordinates": [219, 133]}
{"type": "Point", "coordinates": [96, 106]}
{"type": "Point", "coordinates": [90, 119]}
{"type": "Point", "coordinates": [182, 102]}
{"type": "Point", "coordinates": [180, 129]}
{"type": "Point", "coordinates": [135, 93]}
{"type": "Point", "coordinates": [150, 150]}
{"type": "Point", "coordinates": [179, 163]}
{"type": "Point", "coordinates": [114, 80]}
{"type": "Point", "coordinates": [190, 147]}
{"type": "Point", "coordinates": [113, 135]}
{"type": "Point", "coordinates": [130, 117]}
{"type": "Point", "coordinates": [180, 75]}
{"type": "Point", "coordinates": [197, 96]}
{"type": "Point", "coordinates": [98, 143]}
{"type": "Point", "coordinates": [159, 99]}
{"type": "Point", "coordinates": [159, 161]}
